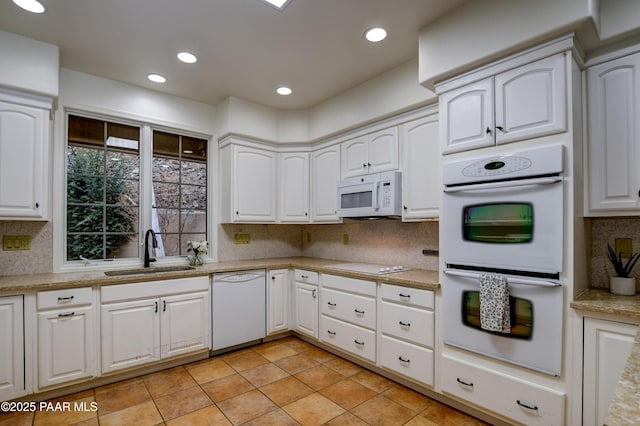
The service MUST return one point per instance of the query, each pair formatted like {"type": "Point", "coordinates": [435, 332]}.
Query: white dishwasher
{"type": "Point", "coordinates": [238, 310]}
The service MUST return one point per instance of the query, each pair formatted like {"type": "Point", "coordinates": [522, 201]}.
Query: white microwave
{"type": "Point", "coordinates": [373, 195]}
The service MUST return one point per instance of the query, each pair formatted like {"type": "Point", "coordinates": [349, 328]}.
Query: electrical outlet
{"type": "Point", "coordinates": [16, 242]}
{"type": "Point", "coordinates": [241, 238]}
{"type": "Point", "coordinates": [345, 239]}
{"type": "Point", "coordinates": [624, 246]}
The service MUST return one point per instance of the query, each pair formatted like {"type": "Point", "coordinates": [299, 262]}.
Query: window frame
{"type": "Point", "coordinates": [61, 263]}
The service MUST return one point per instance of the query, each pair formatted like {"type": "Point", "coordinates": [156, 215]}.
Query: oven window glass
{"type": "Point", "coordinates": [498, 223]}
{"type": "Point", "coordinates": [521, 315]}
{"type": "Point", "coordinates": [354, 200]}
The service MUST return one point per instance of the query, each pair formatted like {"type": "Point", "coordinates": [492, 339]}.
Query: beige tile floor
{"type": "Point", "coordinates": [283, 382]}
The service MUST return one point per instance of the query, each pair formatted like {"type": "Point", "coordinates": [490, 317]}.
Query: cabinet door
{"type": "Point", "coordinates": [354, 158]}
{"type": "Point", "coordinates": [306, 309]}
{"type": "Point", "coordinates": [185, 325]}
{"type": "Point", "coordinates": [467, 117]}
{"type": "Point", "coordinates": [294, 187]}
{"type": "Point", "coordinates": [613, 97]}
{"type": "Point", "coordinates": [255, 189]}
{"type": "Point", "coordinates": [12, 348]}
{"type": "Point", "coordinates": [607, 345]}
{"type": "Point", "coordinates": [130, 334]}
{"type": "Point", "coordinates": [421, 177]}
{"type": "Point", "coordinates": [383, 151]}
{"type": "Point", "coordinates": [325, 173]}
{"type": "Point", "coordinates": [66, 349]}
{"type": "Point", "coordinates": [24, 133]}
{"type": "Point", "coordinates": [278, 301]}
{"type": "Point", "coordinates": [531, 100]}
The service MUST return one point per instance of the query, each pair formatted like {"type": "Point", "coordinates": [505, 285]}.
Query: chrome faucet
{"type": "Point", "coordinates": [154, 241]}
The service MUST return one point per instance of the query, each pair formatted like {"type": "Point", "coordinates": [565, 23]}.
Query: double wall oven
{"type": "Point", "coordinates": [503, 215]}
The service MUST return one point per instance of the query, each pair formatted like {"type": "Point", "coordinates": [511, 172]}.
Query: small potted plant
{"type": "Point", "coordinates": [622, 283]}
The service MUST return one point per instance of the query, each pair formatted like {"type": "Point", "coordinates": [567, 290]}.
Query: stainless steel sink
{"type": "Point", "coordinates": [156, 270]}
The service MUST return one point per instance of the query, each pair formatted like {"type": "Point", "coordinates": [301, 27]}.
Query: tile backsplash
{"type": "Point", "coordinates": [37, 260]}
{"type": "Point", "coordinates": [604, 231]}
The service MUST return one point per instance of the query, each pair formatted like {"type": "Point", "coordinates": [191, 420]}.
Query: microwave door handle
{"type": "Point", "coordinates": [374, 198]}
{"type": "Point", "coordinates": [512, 280]}
{"type": "Point", "coordinates": [506, 184]}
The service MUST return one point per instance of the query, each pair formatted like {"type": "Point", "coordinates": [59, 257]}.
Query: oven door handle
{"type": "Point", "coordinates": [512, 280]}
{"type": "Point", "coordinates": [505, 184]}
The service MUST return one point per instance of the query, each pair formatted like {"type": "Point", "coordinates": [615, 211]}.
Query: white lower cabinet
{"type": "Point", "coordinates": [66, 330]}
{"type": "Point", "coordinates": [521, 401]}
{"type": "Point", "coordinates": [407, 332]}
{"type": "Point", "coordinates": [305, 302]}
{"type": "Point", "coordinates": [145, 322]}
{"type": "Point", "coordinates": [12, 383]}
{"type": "Point", "coordinates": [348, 314]}
{"type": "Point", "coordinates": [278, 301]}
{"type": "Point", "coordinates": [607, 345]}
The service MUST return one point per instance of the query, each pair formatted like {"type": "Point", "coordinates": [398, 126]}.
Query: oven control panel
{"type": "Point", "coordinates": [519, 164]}
{"type": "Point", "coordinates": [497, 166]}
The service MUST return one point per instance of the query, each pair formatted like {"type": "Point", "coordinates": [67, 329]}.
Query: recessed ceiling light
{"type": "Point", "coordinates": [30, 5]}
{"type": "Point", "coordinates": [284, 91]}
{"type": "Point", "coordinates": [280, 4]}
{"type": "Point", "coordinates": [376, 34]}
{"type": "Point", "coordinates": [156, 78]}
{"type": "Point", "coordinates": [187, 58]}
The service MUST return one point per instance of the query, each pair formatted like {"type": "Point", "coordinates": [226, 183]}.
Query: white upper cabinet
{"type": "Point", "coordinates": [294, 187]}
{"type": "Point", "coordinates": [526, 102]}
{"type": "Point", "coordinates": [421, 176]}
{"type": "Point", "coordinates": [372, 153]}
{"type": "Point", "coordinates": [249, 189]}
{"type": "Point", "coordinates": [613, 147]}
{"type": "Point", "coordinates": [325, 173]}
{"type": "Point", "coordinates": [24, 157]}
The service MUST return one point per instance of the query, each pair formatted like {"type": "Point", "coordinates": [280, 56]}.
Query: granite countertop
{"type": "Point", "coordinates": [625, 405]}
{"type": "Point", "coordinates": [418, 278]}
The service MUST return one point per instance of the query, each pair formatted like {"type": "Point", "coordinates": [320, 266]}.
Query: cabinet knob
{"type": "Point", "coordinates": [488, 130]}
{"type": "Point", "coordinates": [37, 205]}
{"type": "Point", "coordinates": [368, 164]}
{"type": "Point", "coordinates": [500, 128]}
{"type": "Point", "coordinates": [237, 212]}
{"type": "Point", "coordinates": [364, 164]}
{"type": "Point", "coordinates": [405, 207]}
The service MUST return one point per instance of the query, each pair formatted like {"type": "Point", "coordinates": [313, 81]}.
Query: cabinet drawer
{"type": "Point", "coordinates": [409, 360]}
{"type": "Point", "coordinates": [308, 277]}
{"type": "Point", "coordinates": [351, 338]}
{"type": "Point", "coordinates": [411, 324]}
{"type": "Point", "coordinates": [64, 298]}
{"type": "Point", "coordinates": [352, 285]}
{"type": "Point", "coordinates": [522, 401]}
{"type": "Point", "coordinates": [353, 308]}
{"type": "Point", "coordinates": [121, 292]}
{"type": "Point", "coordinates": [407, 296]}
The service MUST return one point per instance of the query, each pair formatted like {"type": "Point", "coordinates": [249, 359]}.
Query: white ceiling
{"type": "Point", "coordinates": [245, 48]}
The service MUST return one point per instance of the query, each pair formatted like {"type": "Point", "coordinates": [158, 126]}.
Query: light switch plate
{"type": "Point", "coordinates": [16, 242]}
{"type": "Point", "coordinates": [241, 238]}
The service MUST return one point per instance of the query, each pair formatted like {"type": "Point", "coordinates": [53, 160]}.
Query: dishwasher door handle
{"type": "Point", "coordinates": [240, 278]}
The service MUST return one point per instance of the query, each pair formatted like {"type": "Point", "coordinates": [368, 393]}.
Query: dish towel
{"type": "Point", "coordinates": [494, 303]}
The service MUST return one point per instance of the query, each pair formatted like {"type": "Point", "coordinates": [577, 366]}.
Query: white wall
{"type": "Point", "coordinates": [390, 93]}
{"type": "Point", "coordinates": [28, 64]}
{"type": "Point", "coordinates": [482, 31]}
{"type": "Point", "coordinates": [617, 17]}
{"type": "Point", "coordinates": [84, 91]}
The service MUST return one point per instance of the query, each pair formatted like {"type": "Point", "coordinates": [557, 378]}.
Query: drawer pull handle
{"type": "Point", "coordinates": [156, 307]}
{"type": "Point", "coordinates": [65, 299]}
{"type": "Point", "coordinates": [528, 407]}
{"type": "Point", "coordinates": [357, 342]}
{"type": "Point", "coordinates": [331, 332]}
{"type": "Point", "coordinates": [164, 306]}
{"type": "Point", "coordinates": [404, 360]}
{"type": "Point", "coordinates": [331, 304]}
{"type": "Point", "coordinates": [313, 293]}
{"type": "Point", "coordinates": [462, 382]}
{"type": "Point", "coordinates": [66, 315]}
{"type": "Point", "coordinates": [406, 296]}
{"type": "Point", "coordinates": [359, 312]}
{"type": "Point", "coordinates": [306, 277]}
{"type": "Point", "coordinates": [405, 324]}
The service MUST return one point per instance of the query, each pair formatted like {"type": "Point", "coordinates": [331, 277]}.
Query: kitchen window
{"type": "Point", "coordinates": [122, 179]}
